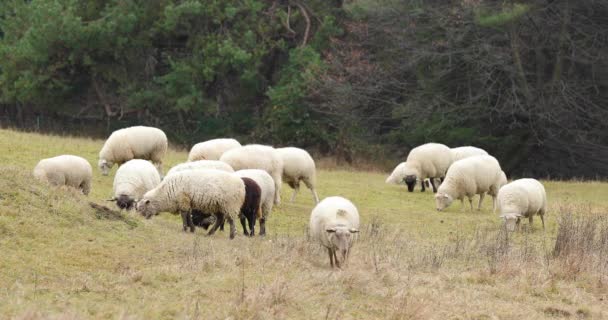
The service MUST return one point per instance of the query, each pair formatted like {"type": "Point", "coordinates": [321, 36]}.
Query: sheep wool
{"type": "Point", "coordinates": [468, 177]}
{"type": "Point", "coordinates": [257, 156]}
{"type": "Point", "coordinates": [200, 164]}
{"type": "Point", "coordinates": [430, 160]}
{"type": "Point", "coordinates": [139, 142]}
{"type": "Point", "coordinates": [298, 166]}
{"type": "Point", "coordinates": [212, 149]}
{"type": "Point", "coordinates": [465, 152]}
{"type": "Point", "coordinates": [213, 191]}
{"type": "Point", "coordinates": [522, 198]}
{"type": "Point", "coordinates": [68, 170]}
{"type": "Point", "coordinates": [334, 223]}
{"type": "Point", "coordinates": [266, 183]}
{"type": "Point", "coordinates": [132, 180]}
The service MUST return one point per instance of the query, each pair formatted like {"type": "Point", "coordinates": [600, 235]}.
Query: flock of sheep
{"type": "Point", "coordinates": [223, 180]}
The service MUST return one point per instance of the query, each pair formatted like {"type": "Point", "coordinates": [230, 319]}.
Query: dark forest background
{"type": "Point", "coordinates": [358, 80]}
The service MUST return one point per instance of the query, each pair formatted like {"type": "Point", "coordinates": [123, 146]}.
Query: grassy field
{"type": "Point", "coordinates": [59, 258]}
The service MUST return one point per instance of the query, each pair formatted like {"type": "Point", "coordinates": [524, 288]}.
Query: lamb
{"type": "Point", "coordinates": [201, 164]}
{"type": "Point", "coordinates": [213, 191]}
{"type": "Point", "coordinates": [298, 166]}
{"type": "Point", "coordinates": [133, 179]}
{"type": "Point", "coordinates": [522, 198]}
{"type": "Point", "coordinates": [465, 152]}
{"type": "Point", "coordinates": [468, 177]}
{"type": "Point", "coordinates": [334, 222]}
{"type": "Point", "coordinates": [212, 149]}
{"type": "Point", "coordinates": [133, 143]}
{"type": "Point", "coordinates": [430, 160]}
{"type": "Point", "coordinates": [266, 183]}
{"type": "Point", "coordinates": [68, 170]}
{"type": "Point", "coordinates": [257, 156]}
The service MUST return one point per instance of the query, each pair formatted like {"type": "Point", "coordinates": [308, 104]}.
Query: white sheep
{"type": "Point", "coordinates": [65, 170]}
{"type": "Point", "coordinates": [212, 149]}
{"type": "Point", "coordinates": [213, 191]}
{"type": "Point", "coordinates": [430, 160]}
{"type": "Point", "coordinates": [468, 177]}
{"type": "Point", "coordinates": [298, 166]}
{"type": "Point", "coordinates": [334, 222]}
{"type": "Point", "coordinates": [520, 199]}
{"type": "Point", "coordinates": [139, 142]}
{"type": "Point", "coordinates": [465, 152]}
{"type": "Point", "coordinates": [266, 183]}
{"type": "Point", "coordinates": [132, 180]}
{"type": "Point", "coordinates": [201, 164]}
{"type": "Point", "coordinates": [255, 156]}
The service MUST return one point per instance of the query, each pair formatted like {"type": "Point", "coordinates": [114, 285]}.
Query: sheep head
{"type": "Point", "coordinates": [147, 208]}
{"type": "Point", "coordinates": [105, 166]}
{"type": "Point", "coordinates": [510, 220]}
{"type": "Point", "coordinates": [341, 239]}
{"type": "Point", "coordinates": [443, 200]}
{"type": "Point", "coordinates": [125, 202]}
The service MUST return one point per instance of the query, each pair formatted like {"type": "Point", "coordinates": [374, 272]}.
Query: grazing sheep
{"type": "Point", "coordinates": [257, 156]}
{"type": "Point", "coordinates": [132, 180]}
{"type": "Point", "coordinates": [133, 143]}
{"type": "Point", "coordinates": [212, 149]}
{"type": "Point", "coordinates": [65, 170]}
{"type": "Point", "coordinates": [298, 166]}
{"type": "Point", "coordinates": [520, 199]}
{"type": "Point", "coordinates": [266, 183]}
{"type": "Point", "coordinates": [430, 160]}
{"type": "Point", "coordinates": [468, 177]}
{"type": "Point", "coordinates": [217, 192]}
{"type": "Point", "coordinates": [200, 164]}
{"type": "Point", "coordinates": [334, 223]}
{"type": "Point", "coordinates": [465, 152]}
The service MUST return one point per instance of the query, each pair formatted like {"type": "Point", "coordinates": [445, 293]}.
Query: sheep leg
{"type": "Point", "coordinates": [336, 259]}
{"type": "Point", "coordinates": [310, 186]}
{"type": "Point", "coordinates": [530, 218]}
{"type": "Point", "coordinates": [433, 184]}
{"type": "Point", "coordinates": [251, 226]}
{"type": "Point", "coordinates": [462, 208]}
{"type": "Point", "coordinates": [190, 222]}
{"type": "Point", "coordinates": [331, 257]}
{"type": "Point", "coordinates": [262, 227]}
{"type": "Point", "coordinates": [480, 200]}
{"type": "Point", "coordinates": [185, 223]}
{"type": "Point", "coordinates": [493, 204]}
{"type": "Point", "coordinates": [471, 203]}
{"type": "Point", "coordinates": [296, 188]}
{"type": "Point", "coordinates": [242, 218]}
{"type": "Point", "coordinates": [219, 219]}
{"type": "Point", "coordinates": [232, 227]}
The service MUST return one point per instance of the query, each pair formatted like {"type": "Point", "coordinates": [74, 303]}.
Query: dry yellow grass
{"type": "Point", "coordinates": [59, 258]}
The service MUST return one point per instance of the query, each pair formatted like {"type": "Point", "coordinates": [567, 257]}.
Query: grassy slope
{"type": "Point", "coordinates": [58, 258]}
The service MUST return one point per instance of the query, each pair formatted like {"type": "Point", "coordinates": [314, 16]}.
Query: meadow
{"type": "Point", "coordinates": [62, 259]}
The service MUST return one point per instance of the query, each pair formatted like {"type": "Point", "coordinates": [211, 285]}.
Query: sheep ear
{"type": "Point", "coordinates": [111, 199]}
{"type": "Point", "coordinates": [330, 230]}
{"type": "Point", "coordinates": [147, 201]}
{"type": "Point", "coordinates": [353, 230]}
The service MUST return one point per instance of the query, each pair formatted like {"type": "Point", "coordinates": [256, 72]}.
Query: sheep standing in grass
{"type": "Point", "coordinates": [200, 164]}
{"type": "Point", "coordinates": [212, 149]}
{"type": "Point", "coordinates": [465, 152]}
{"type": "Point", "coordinates": [266, 183]}
{"type": "Point", "coordinates": [132, 180]}
{"type": "Point", "coordinates": [212, 191]}
{"type": "Point", "coordinates": [68, 170]}
{"type": "Point", "coordinates": [430, 160]}
{"type": "Point", "coordinates": [298, 166]}
{"type": "Point", "coordinates": [520, 199]}
{"type": "Point", "coordinates": [257, 156]}
{"type": "Point", "coordinates": [334, 223]}
{"type": "Point", "coordinates": [133, 143]}
{"type": "Point", "coordinates": [468, 177]}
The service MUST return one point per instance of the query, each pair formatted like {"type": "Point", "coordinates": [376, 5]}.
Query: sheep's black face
{"type": "Point", "coordinates": [202, 219]}
{"type": "Point", "coordinates": [125, 202]}
{"type": "Point", "coordinates": [410, 181]}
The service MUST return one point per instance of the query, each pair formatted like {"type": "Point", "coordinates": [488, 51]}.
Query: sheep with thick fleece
{"type": "Point", "coordinates": [213, 191]}
{"type": "Point", "coordinates": [132, 180]}
{"type": "Point", "coordinates": [212, 149]}
{"type": "Point", "coordinates": [138, 142]}
{"type": "Point", "coordinates": [266, 183]}
{"type": "Point", "coordinates": [255, 156]}
{"type": "Point", "coordinates": [522, 198]}
{"type": "Point", "coordinates": [465, 152]}
{"type": "Point", "coordinates": [468, 177]}
{"type": "Point", "coordinates": [201, 164]}
{"type": "Point", "coordinates": [334, 222]}
{"type": "Point", "coordinates": [430, 160]}
{"type": "Point", "coordinates": [68, 170]}
{"type": "Point", "coordinates": [298, 166]}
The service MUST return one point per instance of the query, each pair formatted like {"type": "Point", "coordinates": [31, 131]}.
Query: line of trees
{"type": "Point", "coordinates": [357, 79]}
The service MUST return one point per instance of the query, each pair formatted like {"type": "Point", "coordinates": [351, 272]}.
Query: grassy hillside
{"type": "Point", "coordinates": [61, 258]}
